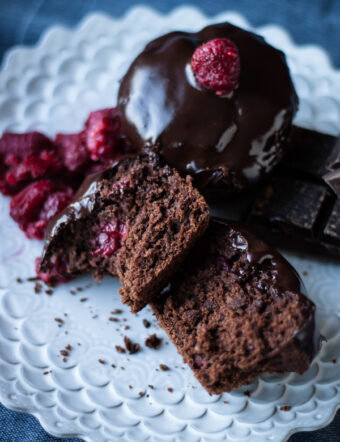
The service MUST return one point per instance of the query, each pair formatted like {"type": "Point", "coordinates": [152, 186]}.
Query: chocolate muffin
{"type": "Point", "coordinates": [136, 220]}
{"type": "Point", "coordinates": [226, 126]}
{"type": "Point", "coordinates": [237, 309]}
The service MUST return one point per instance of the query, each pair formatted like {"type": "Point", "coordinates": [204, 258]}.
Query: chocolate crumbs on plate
{"type": "Point", "coordinates": [131, 347]}
{"type": "Point", "coordinates": [146, 323]}
{"type": "Point", "coordinates": [120, 349]}
{"type": "Point", "coordinates": [153, 341]}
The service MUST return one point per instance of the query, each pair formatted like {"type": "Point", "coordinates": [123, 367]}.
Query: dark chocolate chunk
{"type": "Point", "coordinates": [297, 209]}
{"type": "Point", "coordinates": [333, 180]}
{"type": "Point", "coordinates": [310, 153]}
{"type": "Point", "coordinates": [331, 232]}
{"type": "Point", "coordinates": [293, 204]}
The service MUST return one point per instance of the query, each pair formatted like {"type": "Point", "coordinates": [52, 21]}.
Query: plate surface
{"type": "Point", "coordinates": [52, 87]}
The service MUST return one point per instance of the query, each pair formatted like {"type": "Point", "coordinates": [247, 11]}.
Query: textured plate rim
{"type": "Point", "coordinates": [23, 51]}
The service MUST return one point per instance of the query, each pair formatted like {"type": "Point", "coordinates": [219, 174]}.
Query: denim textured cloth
{"type": "Point", "coordinates": [23, 21]}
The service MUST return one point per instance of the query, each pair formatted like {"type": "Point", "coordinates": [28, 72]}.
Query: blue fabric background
{"type": "Point", "coordinates": [23, 21]}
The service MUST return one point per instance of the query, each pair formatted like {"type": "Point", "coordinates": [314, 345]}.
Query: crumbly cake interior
{"type": "Point", "coordinates": [227, 317]}
{"type": "Point", "coordinates": [146, 218]}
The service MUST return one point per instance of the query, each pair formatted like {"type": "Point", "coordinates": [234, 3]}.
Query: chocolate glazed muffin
{"type": "Point", "coordinates": [227, 141]}
{"type": "Point", "coordinates": [237, 309]}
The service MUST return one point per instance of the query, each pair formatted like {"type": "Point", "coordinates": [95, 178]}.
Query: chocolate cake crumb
{"type": "Point", "coordinates": [225, 402]}
{"type": "Point", "coordinates": [131, 387]}
{"type": "Point", "coordinates": [151, 386]}
{"type": "Point", "coordinates": [64, 359]}
{"type": "Point", "coordinates": [116, 311]}
{"type": "Point", "coordinates": [47, 372]}
{"type": "Point", "coordinates": [59, 320]}
{"type": "Point", "coordinates": [79, 289]}
{"type": "Point", "coordinates": [72, 292]}
{"type": "Point", "coordinates": [49, 292]}
{"type": "Point", "coordinates": [33, 278]}
{"type": "Point", "coordinates": [19, 280]}
{"type": "Point", "coordinates": [94, 316]}
{"type": "Point", "coordinates": [141, 394]}
{"type": "Point", "coordinates": [101, 361]}
{"type": "Point", "coordinates": [286, 408]}
{"type": "Point", "coordinates": [37, 287]}
{"type": "Point", "coordinates": [170, 389]}
{"type": "Point", "coordinates": [113, 365]}
{"type": "Point", "coordinates": [83, 299]}
{"type": "Point", "coordinates": [120, 349]}
{"type": "Point", "coordinates": [122, 368]}
{"type": "Point", "coordinates": [64, 352]}
{"type": "Point", "coordinates": [131, 347]}
{"type": "Point", "coordinates": [153, 341]}
{"type": "Point", "coordinates": [334, 361]}
{"type": "Point", "coordinates": [113, 319]}
{"type": "Point", "coordinates": [126, 327]}
{"type": "Point", "coordinates": [68, 347]}
{"type": "Point", "coordinates": [164, 367]}
{"type": "Point", "coordinates": [146, 323]}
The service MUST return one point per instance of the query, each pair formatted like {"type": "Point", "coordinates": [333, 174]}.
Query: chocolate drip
{"type": "Point", "coordinates": [223, 141]}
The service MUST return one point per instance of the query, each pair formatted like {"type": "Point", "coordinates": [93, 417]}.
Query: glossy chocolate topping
{"type": "Point", "coordinates": [285, 277]}
{"type": "Point", "coordinates": [224, 141]}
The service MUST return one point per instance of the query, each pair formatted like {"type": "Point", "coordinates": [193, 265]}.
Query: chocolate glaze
{"type": "Point", "coordinates": [285, 277]}
{"type": "Point", "coordinates": [224, 142]}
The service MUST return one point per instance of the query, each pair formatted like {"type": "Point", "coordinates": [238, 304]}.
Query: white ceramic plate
{"type": "Point", "coordinates": [52, 87]}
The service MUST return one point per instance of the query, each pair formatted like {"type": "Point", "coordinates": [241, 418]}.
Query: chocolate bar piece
{"type": "Point", "coordinates": [332, 178]}
{"type": "Point", "coordinates": [296, 209]}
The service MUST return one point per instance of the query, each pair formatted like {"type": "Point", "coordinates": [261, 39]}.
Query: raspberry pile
{"type": "Point", "coordinates": [42, 174]}
{"type": "Point", "coordinates": [216, 65]}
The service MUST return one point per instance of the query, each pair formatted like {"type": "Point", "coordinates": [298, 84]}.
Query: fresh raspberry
{"type": "Point", "coordinates": [109, 238]}
{"type": "Point", "coordinates": [103, 136]}
{"type": "Point", "coordinates": [56, 272]}
{"type": "Point", "coordinates": [216, 65]}
{"type": "Point", "coordinates": [26, 205]}
{"type": "Point", "coordinates": [23, 145]}
{"type": "Point", "coordinates": [24, 158]}
{"type": "Point", "coordinates": [73, 152]}
{"type": "Point", "coordinates": [37, 204]}
{"type": "Point", "coordinates": [31, 167]}
{"type": "Point", "coordinates": [55, 203]}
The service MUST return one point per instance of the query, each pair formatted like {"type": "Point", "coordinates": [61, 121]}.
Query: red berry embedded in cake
{"type": "Point", "coordinates": [216, 65]}
{"type": "Point", "coordinates": [109, 238]}
{"type": "Point", "coordinates": [55, 273]}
